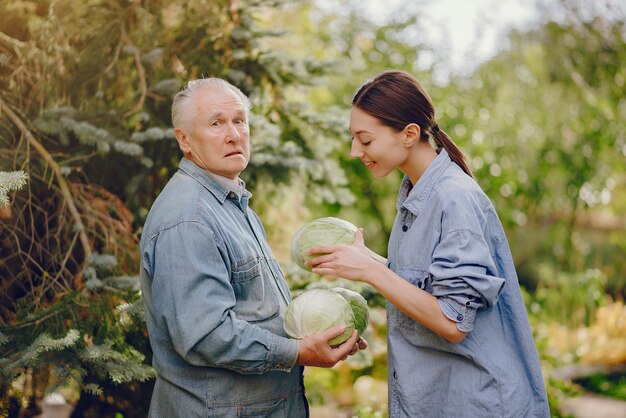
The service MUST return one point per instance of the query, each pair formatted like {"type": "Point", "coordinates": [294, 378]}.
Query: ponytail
{"type": "Point", "coordinates": [444, 141]}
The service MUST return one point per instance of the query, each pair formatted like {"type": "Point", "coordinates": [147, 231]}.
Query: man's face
{"type": "Point", "coordinates": [218, 137]}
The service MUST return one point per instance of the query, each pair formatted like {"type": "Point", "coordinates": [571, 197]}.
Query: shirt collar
{"type": "Point", "coordinates": [413, 197]}
{"type": "Point", "coordinates": [237, 186]}
{"type": "Point", "coordinates": [221, 187]}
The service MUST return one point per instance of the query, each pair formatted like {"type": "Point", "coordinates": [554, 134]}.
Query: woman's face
{"type": "Point", "coordinates": [379, 147]}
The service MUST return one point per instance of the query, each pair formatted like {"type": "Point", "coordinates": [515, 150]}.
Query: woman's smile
{"type": "Point", "coordinates": [369, 164]}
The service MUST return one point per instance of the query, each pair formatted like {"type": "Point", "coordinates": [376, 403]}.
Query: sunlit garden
{"type": "Point", "coordinates": [86, 145]}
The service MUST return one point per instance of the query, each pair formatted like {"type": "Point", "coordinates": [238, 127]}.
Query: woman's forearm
{"type": "Point", "coordinates": [377, 257]}
{"type": "Point", "coordinates": [418, 304]}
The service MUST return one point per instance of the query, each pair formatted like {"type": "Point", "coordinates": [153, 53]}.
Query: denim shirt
{"type": "Point", "coordinates": [214, 298]}
{"type": "Point", "coordinates": [447, 240]}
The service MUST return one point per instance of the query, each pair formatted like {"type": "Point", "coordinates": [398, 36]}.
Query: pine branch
{"type": "Point", "coordinates": [120, 368]}
{"type": "Point", "coordinates": [13, 180]}
{"type": "Point", "coordinates": [29, 356]}
{"type": "Point", "coordinates": [93, 389]}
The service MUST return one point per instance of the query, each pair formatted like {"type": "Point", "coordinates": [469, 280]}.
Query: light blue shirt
{"type": "Point", "coordinates": [447, 240]}
{"type": "Point", "coordinates": [215, 298]}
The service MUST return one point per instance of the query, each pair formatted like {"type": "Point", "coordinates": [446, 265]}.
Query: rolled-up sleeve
{"type": "Point", "coordinates": [193, 299]}
{"type": "Point", "coordinates": [461, 277]}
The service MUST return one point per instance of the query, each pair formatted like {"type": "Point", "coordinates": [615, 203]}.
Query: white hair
{"type": "Point", "coordinates": [182, 115]}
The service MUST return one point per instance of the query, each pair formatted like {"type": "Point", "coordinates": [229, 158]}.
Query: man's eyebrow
{"type": "Point", "coordinates": [220, 113]}
{"type": "Point", "coordinates": [217, 113]}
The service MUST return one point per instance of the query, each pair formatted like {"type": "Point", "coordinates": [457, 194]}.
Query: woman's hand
{"type": "Point", "coordinates": [355, 262]}
{"type": "Point", "coordinates": [352, 262]}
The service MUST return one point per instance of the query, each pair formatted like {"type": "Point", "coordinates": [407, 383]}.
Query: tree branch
{"type": "Point", "coordinates": [142, 75]}
{"type": "Point", "coordinates": [63, 185]}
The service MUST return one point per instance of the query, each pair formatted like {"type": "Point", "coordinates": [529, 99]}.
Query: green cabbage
{"type": "Point", "coordinates": [319, 309]}
{"type": "Point", "coordinates": [358, 305]}
{"type": "Point", "coordinates": [322, 231]}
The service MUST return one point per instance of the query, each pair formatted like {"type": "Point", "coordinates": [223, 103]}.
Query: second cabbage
{"type": "Point", "coordinates": [319, 309]}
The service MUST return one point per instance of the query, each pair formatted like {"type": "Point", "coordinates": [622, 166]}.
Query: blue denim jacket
{"type": "Point", "coordinates": [447, 240]}
{"type": "Point", "coordinates": [215, 297]}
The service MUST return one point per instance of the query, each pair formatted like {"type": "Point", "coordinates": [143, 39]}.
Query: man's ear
{"type": "Point", "coordinates": [411, 134]}
{"type": "Point", "coordinates": [183, 140]}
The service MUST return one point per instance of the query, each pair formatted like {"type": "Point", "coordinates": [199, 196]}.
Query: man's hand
{"type": "Point", "coordinates": [361, 344]}
{"type": "Point", "coordinates": [315, 350]}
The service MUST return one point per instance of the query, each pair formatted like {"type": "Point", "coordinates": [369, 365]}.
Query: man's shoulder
{"type": "Point", "coordinates": [180, 201]}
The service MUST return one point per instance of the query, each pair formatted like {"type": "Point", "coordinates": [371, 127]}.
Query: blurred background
{"type": "Point", "coordinates": [531, 91]}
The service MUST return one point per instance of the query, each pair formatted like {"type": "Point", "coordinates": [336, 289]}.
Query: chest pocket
{"type": "Point", "coordinates": [255, 291]}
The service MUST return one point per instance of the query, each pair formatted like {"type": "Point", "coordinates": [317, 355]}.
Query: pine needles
{"type": "Point", "coordinates": [13, 180]}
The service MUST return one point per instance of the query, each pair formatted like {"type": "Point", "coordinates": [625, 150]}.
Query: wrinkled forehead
{"type": "Point", "coordinates": [217, 96]}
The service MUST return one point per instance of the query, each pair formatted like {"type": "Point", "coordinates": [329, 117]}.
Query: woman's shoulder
{"type": "Point", "coordinates": [456, 186]}
{"type": "Point", "coordinates": [462, 200]}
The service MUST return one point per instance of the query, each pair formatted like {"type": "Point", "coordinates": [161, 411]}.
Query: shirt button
{"type": "Point", "coordinates": [419, 283]}
{"type": "Point", "coordinates": [459, 317]}
{"type": "Point", "coordinates": [405, 228]}
{"type": "Point", "coordinates": [467, 303]}
{"type": "Point", "coordinates": [395, 376]}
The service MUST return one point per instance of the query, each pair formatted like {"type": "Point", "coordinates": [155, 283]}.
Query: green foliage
{"type": "Point", "coordinates": [612, 385]}
{"type": "Point", "coordinates": [79, 340]}
{"type": "Point", "coordinates": [543, 125]}
{"type": "Point", "coordinates": [357, 49]}
{"type": "Point", "coordinates": [557, 389]}
{"type": "Point", "coordinates": [369, 412]}
{"type": "Point", "coordinates": [30, 355]}
{"type": "Point", "coordinates": [570, 299]}
{"type": "Point", "coordinates": [13, 180]}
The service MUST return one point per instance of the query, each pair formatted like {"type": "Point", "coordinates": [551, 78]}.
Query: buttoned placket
{"type": "Point", "coordinates": [242, 205]}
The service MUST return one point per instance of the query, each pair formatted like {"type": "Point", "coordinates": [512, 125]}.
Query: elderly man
{"type": "Point", "coordinates": [213, 292]}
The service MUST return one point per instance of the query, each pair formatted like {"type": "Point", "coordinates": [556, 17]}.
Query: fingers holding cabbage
{"type": "Point", "coordinates": [318, 310]}
{"type": "Point", "coordinates": [322, 231]}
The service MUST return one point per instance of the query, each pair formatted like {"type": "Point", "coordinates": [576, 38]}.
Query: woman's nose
{"type": "Point", "coordinates": [355, 150]}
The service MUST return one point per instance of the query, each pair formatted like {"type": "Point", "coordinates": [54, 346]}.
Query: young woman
{"type": "Point", "coordinates": [459, 341]}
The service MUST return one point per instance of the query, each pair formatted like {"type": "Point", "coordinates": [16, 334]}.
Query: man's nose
{"type": "Point", "coordinates": [232, 132]}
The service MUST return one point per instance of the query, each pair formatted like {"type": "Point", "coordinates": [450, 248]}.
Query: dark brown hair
{"type": "Point", "coordinates": [397, 99]}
